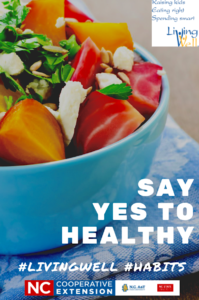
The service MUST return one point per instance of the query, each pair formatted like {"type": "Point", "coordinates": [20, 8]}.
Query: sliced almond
{"type": "Point", "coordinates": [104, 66]}
{"type": "Point", "coordinates": [36, 66]}
{"type": "Point", "coordinates": [40, 74]}
{"type": "Point", "coordinates": [124, 77]}
{"type": "Point", "coordinates": [110, 58]}
{"type": "Point", "coordinates": [109, 70]}
{"type": "Point", "coordinates": [53, 106]}
{"type": "Point", "coordinates": [104, 56]}
{"type": "Point", "coordinates": [19, 30]}
{"type": "Point", "coordinates": [89, 90]}
{"type": "Point", "coordinates": [55, 49]}
{"type": "Point", "coordinates": [68, 20]}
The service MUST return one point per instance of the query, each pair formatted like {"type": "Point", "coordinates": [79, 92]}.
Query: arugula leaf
{"type": "Point", "coordinates": [9, 47]}
{"type": "Point", "coordinates": [36, 96]}
{"type": "Point", "coordinates": [32, 41]}
{"type": "Point", "coordinates": [52, 60]}
{"type": "Point", "coordinates": [2, 27]}
{"type": "Point", "coordinates": [62, 73]}
{"type": "Point", "coordinates": [71, 45]}
{"type": "Point", "coordinates": [67, 72]}
{"type": "Point", "coordinates": [9, 102]}
{"type": "Point", "coordinates": [10, 83]}
{"type": "Point", "coordinates": [21, 12]}
{"type": "Point", "coordinates": [40, 77]}
{"type": "Point", "coordinates": [21, 98]}
{"type": "Point", "coordinates": [22, 45]}
{"type": "Point", "coordinates": [29, 44]}
{"type": "Point", "coordinates": [16, 14]}
{"type": "Point", "coordinates": [56, 76]}
{"type": "Point", "coordinates": [11, 4]}
{"type": "Point", "coordinates": [118, 91]}
{"type": "Point", "coordinates": [41, 38]}
{"type": "Point", "coordinates": [8, 32]}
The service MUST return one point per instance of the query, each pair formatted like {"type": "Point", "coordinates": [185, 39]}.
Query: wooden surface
{"type": "Point", "coordinates": [181, 64]}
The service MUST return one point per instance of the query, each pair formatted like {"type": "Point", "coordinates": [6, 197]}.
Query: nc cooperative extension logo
{"type": "Point", "coordinates": [184, 37]}
{"type": "Point", "coordinates": [101, 288]}
{"type": "Point", "coordinates": [69, 287]}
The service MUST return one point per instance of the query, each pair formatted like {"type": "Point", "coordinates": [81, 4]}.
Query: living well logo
{"type": "Point", "coordinates": [184, 37]}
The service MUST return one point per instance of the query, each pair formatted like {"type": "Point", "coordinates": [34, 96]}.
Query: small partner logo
{"type": "Point", "coordinates": [185, 37]}
{"type": "Point", "coordinates": [125, 288]}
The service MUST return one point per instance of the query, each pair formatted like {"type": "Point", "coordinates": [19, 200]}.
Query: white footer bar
{"type": "Point", "coordinates": [147, 288]}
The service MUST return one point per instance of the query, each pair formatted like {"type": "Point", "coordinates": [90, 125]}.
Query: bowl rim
{"type": "Point", "coordinates": [147, 56]}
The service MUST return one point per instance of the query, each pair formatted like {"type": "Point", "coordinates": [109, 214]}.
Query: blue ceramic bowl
{"type": "Point", "coordinates": [37, 201]}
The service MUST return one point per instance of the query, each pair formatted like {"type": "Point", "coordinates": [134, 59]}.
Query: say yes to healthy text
{"type": "Point", "coordinates": [183, 211]}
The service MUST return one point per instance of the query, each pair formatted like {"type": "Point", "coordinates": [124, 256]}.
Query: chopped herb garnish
{"type": "Point", "coordinates": [9, 47]}
{"type": "Point", "coordinates": [56, 76]}
{"type": "Point", "coordinates": [35, 97]}
{"type": "Point", "coordinates": [22, 45]}
{"type": "Point", "coordinates": [42, 39]}
{"type": "Point", "coordinates": [16, 14]}
{"type": "Point", "coordinates": [71, 45]}
{"type": "Point", "coordinates": [30, 47]}
{"type": "Point", "coordinates": [52, 60]}
{"type": "Point", "coordinates": [67, 72]}
{"type": "Point", "coordinates": [9, 102]}
{"type": "Point", "coordinates": [40, 77]}
{"type": "Point", "coordinates": [62, 73]}
{"type": "Point", "coordinates": [10, 83]}
{"type": "Point", "coordinates": [33, 42]}
{"type": "Point", "coordinates": [118, 91]}
{"type": "Point", "coordinates": [29, 44]}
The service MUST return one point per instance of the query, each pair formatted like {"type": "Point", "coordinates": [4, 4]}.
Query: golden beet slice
{"type": "Point", "coordinates": [43, 16]}
{"type": "Point", "coordinates": [29, 134]}
{"type": "Point", "coordinates": [108, 35]}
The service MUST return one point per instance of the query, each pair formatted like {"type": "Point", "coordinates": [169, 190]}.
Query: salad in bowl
{"type": "Point", "coordinates": [68, 85]}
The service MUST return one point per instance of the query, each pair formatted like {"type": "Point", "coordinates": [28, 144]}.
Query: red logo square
{"type": "Point", "coordinates": [39, 288]}
{"type": "Point", "coordinates": [165, 287]}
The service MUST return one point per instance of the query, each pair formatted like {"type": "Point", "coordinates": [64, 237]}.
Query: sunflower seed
{"type": "Point", "coordinates": [36, 66]}
{"type": "Point", "coordinates": [124, 77]}
{"type": "Point", "coordinates": [55, 49]}
{"type": "Point", "coordinates": [104, 56]}
{"type": "Point", "coordinates": [104, 66]}
{"type": "Point", "coordinates": [40, 74]}
{"type": "Point", "coordinates": [109, 70]}
{"type": "Point", "coordinates": [19, 30]}
{"type": "Point", "coordinates": [110, 57]}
